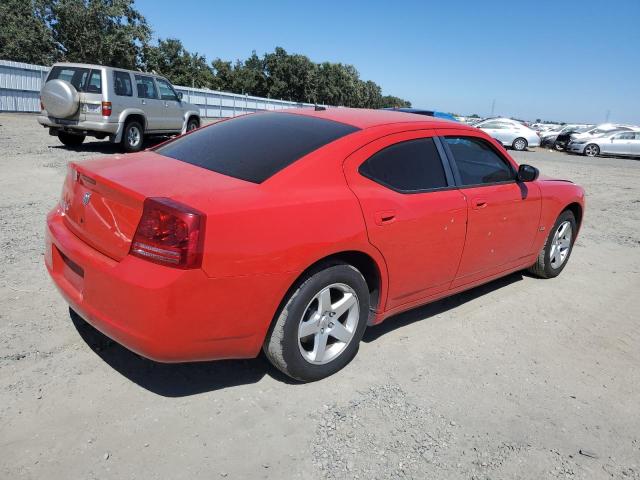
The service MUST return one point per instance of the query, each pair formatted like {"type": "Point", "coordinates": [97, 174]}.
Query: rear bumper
{"type": "Point", "coordinates": [108, 128]}
{"type": "Point", "coordinates": [161, 313]}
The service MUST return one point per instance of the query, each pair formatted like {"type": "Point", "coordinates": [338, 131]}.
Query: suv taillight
{"type": "Point", "coordinates": [169, 233]}
{"type": "Point", "coordinates": [106, 109]}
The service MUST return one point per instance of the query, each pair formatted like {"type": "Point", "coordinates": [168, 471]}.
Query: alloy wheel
{"type": "Point", "coordinates": [591, 150]}
{"type": "Point", "coordinates": [133, 136]}
{"type": "Point", "coordinates": [560, 245]}
{"type": "Point", "coordinates": [520, 144]}
{"type": "Point", "coordinates": [328, 323]}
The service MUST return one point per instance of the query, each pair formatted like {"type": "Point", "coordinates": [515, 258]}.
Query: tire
{"type": "Point", "coordinates": [192, 124]}
{"type": "Point", "coordinates": [520, 144]}
{"type": "Point", "coordinates": [558, 146]}
{"type": "Point", "coordinates": [132, 137]}
{"type": "Point", "coordinates": [591, 150]}
{"type": "Point", "coordinates": [306, 321]}
{"type": "Point", "coordinates": [552, 261]}
{"type": "Point", "coordinates": [70, 140]}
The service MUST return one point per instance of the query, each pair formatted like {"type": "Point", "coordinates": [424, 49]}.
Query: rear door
{"type": "Point", "coordinates": [635, 145]}
{"type": "Point", "coordinates": [92, 96]}
{"type": "Point", "coordinates": [503, 215]}
{"type": "Point", "coordinates": [413, 213]}
{"type": "Point", "coordinates": [172, 118]}
{"type": "Point", "coordinates": [619, 144]}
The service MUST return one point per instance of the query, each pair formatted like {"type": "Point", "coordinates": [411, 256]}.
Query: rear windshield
{"type": "Point", "coordinates": [255, 147]}
{"type": "Point", "coordinates": [83, 79]}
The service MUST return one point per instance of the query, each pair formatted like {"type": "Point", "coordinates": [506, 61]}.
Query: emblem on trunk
{"type": "Point", "coordinates": [85, 198]}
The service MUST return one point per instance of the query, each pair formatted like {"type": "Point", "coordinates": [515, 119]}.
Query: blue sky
{"type": "Point", "coordinates": [566, 60]}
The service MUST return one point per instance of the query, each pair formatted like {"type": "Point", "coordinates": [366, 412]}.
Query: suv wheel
{"type": "Point", "coordinates": [318, 330]}
{"type": "Point", "coordinates": [132, 137]}
{"type": "Point", "coordinates": [70, 140]}
{"type": "Point", "coordinates": [192, 124]}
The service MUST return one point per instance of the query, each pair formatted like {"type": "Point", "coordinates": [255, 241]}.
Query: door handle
{"type": "Point", "coordinates": [479, 203]}
{"type": "Point", "coordinates": [143, 102]}
{"type": "Point", "coordinates": [385, 217]}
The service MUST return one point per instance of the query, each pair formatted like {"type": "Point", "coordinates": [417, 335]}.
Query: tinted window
{"type": "Point", "coordinates": [407, 166]}
{"type": "Point", "coordinates": [122, 84]}
{"type": "Point", "coordinates": [95, 82]}
{"type": "Point", "coordinates": [166, 92]}
{"type": "Point", "coordinates": [146, 87]}
{"type": "Point", "coordinates": [255, 147]}
{"type": "Point", "coordinates": [74, 75]}
{"type": "Point", "coordinates": [478, 162]}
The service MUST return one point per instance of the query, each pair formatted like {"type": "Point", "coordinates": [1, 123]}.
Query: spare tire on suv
{"type": "Point", "coordinates": [59, 98]}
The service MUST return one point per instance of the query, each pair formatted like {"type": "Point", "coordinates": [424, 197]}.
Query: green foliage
{"type": "Point", "coordinates": [24, 33]}
{"type": "Point", "coordinates": [114, 33]}
{"type": "Point", "coordinates": [107, 32]}
{"type": "Point", "coordinates": [169, 58]}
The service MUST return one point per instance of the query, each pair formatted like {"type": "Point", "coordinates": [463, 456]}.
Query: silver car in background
{"type": "Point", "coordinates": [619, 142]}
{"type": "Point", "coordinates": [80, 100]}
{"type": "Point", "coordinates": [510, 133]}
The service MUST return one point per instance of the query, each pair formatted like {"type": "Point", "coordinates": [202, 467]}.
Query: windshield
{"type": "Point", "coordinates": [83, 79]}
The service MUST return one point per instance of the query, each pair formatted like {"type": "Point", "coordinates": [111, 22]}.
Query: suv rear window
{"type": "Point", "coordinates": [254, 147]}
{"type": "Point", "coordinates": [78, 77]}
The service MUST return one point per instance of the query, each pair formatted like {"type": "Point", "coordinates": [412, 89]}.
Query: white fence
{"type": "Point", "coordinates": [20, 88]}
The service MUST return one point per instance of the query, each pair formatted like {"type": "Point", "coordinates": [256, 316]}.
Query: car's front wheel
{"type": "Point", "coordinates": [557, 249]}
{"type": "Point", "coordinates": [592, 150]}
{"type": "Point", "coordinates": [520, 144]}
{"type": "Point", "coordinates": [318, 329]}
{"type": "Point", "coordinates": [192, 124]}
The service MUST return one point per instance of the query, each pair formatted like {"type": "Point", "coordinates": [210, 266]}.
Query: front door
{"type": "Point", "coordinates": [414, 215]}
{"type": "Point", "coordinates": [172, 119]}
{"type": "Point", "coordinates": [503, 215]}
{"type": "Point", "coordinates": [619, 144]}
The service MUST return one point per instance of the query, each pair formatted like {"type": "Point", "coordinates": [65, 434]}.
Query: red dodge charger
{"type": "Point", "coordinates": [292, 231]}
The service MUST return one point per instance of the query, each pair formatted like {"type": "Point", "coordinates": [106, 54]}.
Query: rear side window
{"type": "Point", "coordinates": [410, 166]}
{"type": "Point", "coordinates": [76, 76]}
{"type": "Point", "coordinates": [146, 87]}
{"type": "Point", "coordinates": [255, 147]}
{"type": "Point", "coordinates": [122, 84]}
{"type": "Point", "coordinates": [95, 82]}
{"type": "Point", "coordinates": [478, 162]}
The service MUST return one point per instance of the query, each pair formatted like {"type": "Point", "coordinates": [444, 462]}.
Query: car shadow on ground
{"type": "Point", "coordinates": [175, 379]}
{"type": "Point", "coordinates": [106, 147]}
{"type": "Point", "coordinates": [184, 379]}
{"type": "Point", "coordinates": [435, 308]}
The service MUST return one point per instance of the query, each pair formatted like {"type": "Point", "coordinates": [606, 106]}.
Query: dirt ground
{"type": "Point", "coordinates": [510, 380]}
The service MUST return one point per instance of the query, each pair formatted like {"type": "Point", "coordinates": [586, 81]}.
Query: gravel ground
{"type": "Point", "coordinates": [510, 380]}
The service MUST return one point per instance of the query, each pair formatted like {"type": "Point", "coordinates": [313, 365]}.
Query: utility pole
{"type": "Point", "coordinates": [606, 118]}
{"type": "Point", "coordinates": [493, 106]}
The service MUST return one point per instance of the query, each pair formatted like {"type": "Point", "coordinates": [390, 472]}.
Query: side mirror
{"type": "Point", "coordinates": [180, 96]}
{"type": "Point", "coordinates": [527, 173]}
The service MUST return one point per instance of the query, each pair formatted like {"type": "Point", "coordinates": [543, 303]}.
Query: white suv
{"type": "Point", "coordinates": [79, 99]}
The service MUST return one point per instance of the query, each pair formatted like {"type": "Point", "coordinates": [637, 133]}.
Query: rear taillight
{"type": "Point", "coordinates": [106, 109]}
{"type": "Point", "coordinates": [169, 233]}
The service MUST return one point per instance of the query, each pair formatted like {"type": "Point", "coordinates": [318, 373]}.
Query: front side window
{"type": "Point", "coordinates": [146, 87]}
{"type": "Point", "coordinates": [478, 163]}
{"type": "Point", "coordinates": [409, 166]}
{"type": "Point", "coordinates": [166, 91]}
{"type": "Point", "coordinates": [122, 84]}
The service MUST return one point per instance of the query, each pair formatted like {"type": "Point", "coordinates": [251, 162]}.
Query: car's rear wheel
{"type": "Point", "coordinates": [70, 140]}
{"type": "Point", "coordinates": [318, 329]}
{"type": "Point", "coordinates": [132, 137]}
{"type": "Point", "coordinates": [192, 124]}
{"type": "Point", "coordinates": [556, 251]}
{"type": "Point", "coordinates": [520, 144]}
{"type": "Point", "coordinates": [592, 150]}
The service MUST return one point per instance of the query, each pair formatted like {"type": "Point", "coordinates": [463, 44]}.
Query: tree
{"type": "Point", "coordinates": [171, 59]}
{"type": "Point", "coordinates": [106, 32]}
{"type": "Point", "coordinates": [391, 101]}
{"type": "Point", "coordinates": [24, 33]}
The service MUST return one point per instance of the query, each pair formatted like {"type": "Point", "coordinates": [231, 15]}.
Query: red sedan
{"type": "Point", "coordinates": [291, 232]}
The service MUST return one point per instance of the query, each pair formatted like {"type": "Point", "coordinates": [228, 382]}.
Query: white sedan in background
{"type": "Point", "coordinates": [625, 143]}
{"type": "Point", "coordinates": [510, 133]}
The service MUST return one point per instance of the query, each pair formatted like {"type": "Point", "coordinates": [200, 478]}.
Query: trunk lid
{"type": "Point", "coordinates": [103, 199]}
